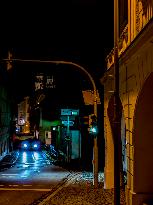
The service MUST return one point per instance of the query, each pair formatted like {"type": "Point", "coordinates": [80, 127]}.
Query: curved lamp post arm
{"type": "Point", "coordinates": [66, 63]}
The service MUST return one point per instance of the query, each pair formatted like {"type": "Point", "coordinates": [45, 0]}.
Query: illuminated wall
{"type": "Point", "coordinates": [135, 79]}
{"type": "Point", "coordinates": [23, 115]}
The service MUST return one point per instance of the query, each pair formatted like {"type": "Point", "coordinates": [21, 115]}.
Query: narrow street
{"type": "Point", "coordinates": [32, 177]}
{"type": "Point", "coordinates": [34, 180]}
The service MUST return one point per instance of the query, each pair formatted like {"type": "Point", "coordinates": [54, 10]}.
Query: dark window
{"type": "Point", "coordinates": [123, 15]}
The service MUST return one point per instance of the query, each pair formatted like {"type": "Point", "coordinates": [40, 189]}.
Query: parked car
{"type": "Point", "coordinates": [57, 156]}
{"type": "Point", "coordinates": [30, 144]}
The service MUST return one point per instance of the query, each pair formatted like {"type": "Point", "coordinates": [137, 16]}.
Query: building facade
{"type": "Point", "coordinates": [23, 115]}
{"type": "Point", "coordinates": [135, 48]}
{"type": "Point", "coordinates": [5, 115]}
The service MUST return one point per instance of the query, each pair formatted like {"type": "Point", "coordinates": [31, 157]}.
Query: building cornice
{"type": "Point", "coordinates": [144, 37]}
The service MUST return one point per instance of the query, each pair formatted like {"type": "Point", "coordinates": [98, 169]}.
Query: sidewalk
{"type": "Point", "coordinates": [80, 191]}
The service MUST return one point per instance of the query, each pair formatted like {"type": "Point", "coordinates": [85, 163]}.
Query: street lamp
{"type": "Point", "coordinates": [95, 148]}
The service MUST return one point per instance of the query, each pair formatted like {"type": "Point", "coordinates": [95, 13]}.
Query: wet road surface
{"type": "Point", "coordinates": [30, 178]}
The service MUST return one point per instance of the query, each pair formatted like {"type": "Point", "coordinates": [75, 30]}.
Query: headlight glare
{"type": "Point", "coordinates": [25, 145]}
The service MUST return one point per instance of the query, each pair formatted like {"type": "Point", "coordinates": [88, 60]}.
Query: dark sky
{"type": "Point", "coordinates": [75, 30]}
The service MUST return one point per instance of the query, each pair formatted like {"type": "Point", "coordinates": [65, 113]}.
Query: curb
{"type": "Point", "coordinates": [55, 190]}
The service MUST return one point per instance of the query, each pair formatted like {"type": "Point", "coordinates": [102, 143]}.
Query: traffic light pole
{"type": "Point", "coordinates": [68, 140]}
{"type": "Point", "coordinates": [95, 147]}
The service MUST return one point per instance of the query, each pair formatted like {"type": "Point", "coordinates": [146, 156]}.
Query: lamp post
{"type": "Point", "coordinates": [68, 139]}
{"type": "Point", "coordinates": [95, 147]}
{"type": "Point", "coordinates": [116, 120]}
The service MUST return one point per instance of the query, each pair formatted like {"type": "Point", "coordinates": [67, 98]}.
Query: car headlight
{"type": "Point", "coordinates": [35, 145]}
{"type": "Point", "coordinates": [25, 145]}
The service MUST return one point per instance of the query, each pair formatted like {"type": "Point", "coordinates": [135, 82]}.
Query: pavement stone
{"type": "Point", "coordinates": [82, 192]}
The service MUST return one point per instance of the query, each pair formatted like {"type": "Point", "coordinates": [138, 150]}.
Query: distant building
{"type": "Point", "coordinates": [23, 116]}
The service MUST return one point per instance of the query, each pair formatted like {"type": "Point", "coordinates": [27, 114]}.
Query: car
{"type": "Point", "coordinates": [30, 144]}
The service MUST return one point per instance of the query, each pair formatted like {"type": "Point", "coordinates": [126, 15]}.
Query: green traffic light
{"type": "Point", "coordinates": [93, 129]}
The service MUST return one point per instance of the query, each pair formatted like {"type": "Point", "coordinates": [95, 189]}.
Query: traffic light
{"type": "Point", "coordinates": [93, 129]}
{"type": "Point", "coordinates": [9, 61]}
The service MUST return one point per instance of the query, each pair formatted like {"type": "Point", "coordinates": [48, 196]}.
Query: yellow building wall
{"type": "Point", "coordinates": [135, 65]}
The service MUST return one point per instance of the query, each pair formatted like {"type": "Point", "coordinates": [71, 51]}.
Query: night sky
{"type": "Point", "coordinates": [75, 30]}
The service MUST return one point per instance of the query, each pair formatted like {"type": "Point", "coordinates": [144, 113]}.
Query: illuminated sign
{"type": "Point", "coordinates": [44, 82]}
{"type": "Point", "coordinates": [39, 82]}
{"type": "Point", "coordinates": [69, 112]}
{"type": "Point", "coordinates": [50, 82]}
{"type": "Point", "coordinates": [65, 123]}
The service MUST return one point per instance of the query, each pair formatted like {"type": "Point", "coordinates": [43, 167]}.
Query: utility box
{"type": "Point", "coordinates": [76, 144]}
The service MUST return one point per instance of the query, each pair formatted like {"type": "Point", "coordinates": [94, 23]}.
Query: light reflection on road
{"type": "Point", "coordinates": [36, 155]}
{"type": "Point", "coordinates": [28, 165]}
{"type": "Point", "coordinates": [32, 167]}
{"type": "Point", "coordinates": [24, 157]}
{"type": "Point", "coordinates": [32, 159]}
